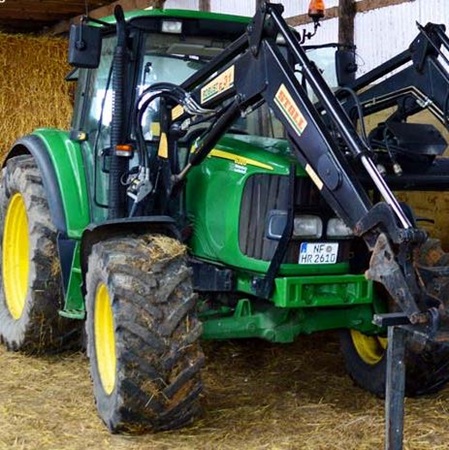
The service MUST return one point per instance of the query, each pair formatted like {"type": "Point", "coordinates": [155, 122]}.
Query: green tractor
{"type": "Point", "coordinates": [199, 194]}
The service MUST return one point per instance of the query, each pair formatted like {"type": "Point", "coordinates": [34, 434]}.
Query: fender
{"type": "Point", "coordinates": [120, 227]}
{"type": "Point", "coordinates": [74, 307]}
{"type": "Point", "coordinates": [61, 164]}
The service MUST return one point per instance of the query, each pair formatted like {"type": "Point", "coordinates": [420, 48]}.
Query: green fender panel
{"type": "Point", "coordinates": [69, 168]}
{"type": "Point", "coordinates": [61, 164]}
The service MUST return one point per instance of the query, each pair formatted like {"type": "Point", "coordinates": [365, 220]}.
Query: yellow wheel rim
{"type": "Point", "coordinates": [105, 339]}
{"type": "Point", "coordinates": [370, 348]}
{"type": "Point", "coordinates": [16, 256]}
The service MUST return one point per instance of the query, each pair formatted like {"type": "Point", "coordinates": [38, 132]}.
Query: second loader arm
{"type": "Point", "coordinates": [269, 65]}
{"type": "Point", "coordinates": [415, 80]}
{"type": "Point", "coordinates": [419, 81]}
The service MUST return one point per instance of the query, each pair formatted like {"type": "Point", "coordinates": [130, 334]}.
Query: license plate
{"type": "Point", "coordinates": [318, 253]}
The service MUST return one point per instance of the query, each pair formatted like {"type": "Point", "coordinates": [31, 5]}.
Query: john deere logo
{"type": "Point", "coordinates": [290, 109]}
{"type": "Point", "coordinates": [220, 84]}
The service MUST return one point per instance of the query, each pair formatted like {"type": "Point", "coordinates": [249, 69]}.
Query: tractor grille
{"type": "Point", "coordinates": [264, 193]}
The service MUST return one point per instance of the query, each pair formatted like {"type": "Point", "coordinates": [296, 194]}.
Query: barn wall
{"type": "Point", "coordinates": [233, 7]}
{"type": "Point", "coordinates": [379, 33]}
{"type": "Point", "coordinates": [181, 4]}
{"type": "Point", "coordinates": [382, 33]}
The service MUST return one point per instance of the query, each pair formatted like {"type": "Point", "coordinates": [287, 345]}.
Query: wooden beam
{"type": "Point", "coordinates": [127, 5]}
{"type": "Point", "coordinates": [332, 13]}
{"type": "Point", "coordinates": [22, 26]}
{"type": "Point", "coordinates": [33, 15]}
{"type": "Point", "coordinates": [47, 7]}
{"type": "Point", "coordinates": [346, 16]}
{"type": "Point", "coordinates": [302, 19]}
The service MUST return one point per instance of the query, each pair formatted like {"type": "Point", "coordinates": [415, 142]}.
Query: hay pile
{"type": "Point", "coordinates": [258, 396]}
{"type": "Point", "coordinates": [33, 92]}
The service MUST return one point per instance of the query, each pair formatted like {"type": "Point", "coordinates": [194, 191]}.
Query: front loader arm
{"type": "Point", "coordinates": [258, 69]}
{"type": "Point", "coordinates": [420, 79]}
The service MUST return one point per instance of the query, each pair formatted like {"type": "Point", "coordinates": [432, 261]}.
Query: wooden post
{"type": "Point", "coordinates": [346, 16]}
{"type": "Point", "coordinates": [204, 5]}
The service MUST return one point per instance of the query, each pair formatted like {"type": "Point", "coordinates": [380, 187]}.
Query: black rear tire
{"type": "Point", "coordinates": [30, 277]}
{"type": "Point", "coordinates": [427, 363]}
{"type": "Point", "coordinates": [142, 334]}
{"type": "Point", "coordinates": [427, 368]}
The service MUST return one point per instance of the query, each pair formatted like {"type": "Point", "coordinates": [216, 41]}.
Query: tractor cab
{"type": "Point", "coordinates": [159, 46]}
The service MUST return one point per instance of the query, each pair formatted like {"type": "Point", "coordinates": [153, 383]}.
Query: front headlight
{"type": "Point", "coordinates": [305, 226]}
{"type": "Point", "coordinates": [337, 228]}
{"type": "Point", "coordinates": [308, 226]}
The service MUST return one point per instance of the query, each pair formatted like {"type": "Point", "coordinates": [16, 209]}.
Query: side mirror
{"type": "Point", "coordinates": [84, 46]}
{"type": "Point", "coordinates": [345, 66]}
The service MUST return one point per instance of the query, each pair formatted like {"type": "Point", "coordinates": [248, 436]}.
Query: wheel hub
{"type": "Point", "coordinates": [16, 254]}
{"type": "Point", "coordinates": [105, 339]}
{"type": "Point", "coordinates": [371, 349]}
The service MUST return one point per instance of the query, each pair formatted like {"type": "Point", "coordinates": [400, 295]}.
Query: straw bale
{"type": "Point", "coordinates": [33, 90]}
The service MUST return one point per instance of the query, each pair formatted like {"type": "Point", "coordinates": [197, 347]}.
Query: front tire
{"type": "Point", "coordinates": [30, 276]}
{"type": "Point", "coordinates": [142, 334]}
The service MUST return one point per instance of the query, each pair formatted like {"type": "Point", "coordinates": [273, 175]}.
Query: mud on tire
{"type": "Point", "coordinates": [29, 319]}
{"type": "Point", "coordinates": [142, 334]}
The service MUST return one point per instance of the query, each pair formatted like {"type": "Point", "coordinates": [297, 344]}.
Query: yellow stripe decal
{"type": "Point", "coordinates": [155, 128]}
{"type": "Point", "coordinates": [315, 178]}
{"type": "Point", "coordinates": [218, 85]}
{"type": "Point", "coordinates": [176, 112]}
{"type": "Point", "coordinates": [163, 146]}
{"type": "Point", "coordinates": [240, 160]}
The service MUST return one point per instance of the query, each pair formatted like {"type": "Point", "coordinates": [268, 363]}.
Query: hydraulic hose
{"type": "Point", "coordinates": [118, 164]}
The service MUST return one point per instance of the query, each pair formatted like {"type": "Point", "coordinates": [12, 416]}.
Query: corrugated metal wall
{"type": "Point", "coordinates": [382, 33]}
{"type": "Point", "coordinates": [245, 8]}
{"type": "Point", "coordinates": [328, 32]}
{"type": "Point", "coordinates": [379, 34]}
{"type": "Point", "coordinates": [181, 4]}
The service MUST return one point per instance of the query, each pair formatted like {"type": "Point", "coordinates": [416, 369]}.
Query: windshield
{"type": "Point", "coordinates": [324, 58]}
{"type": "Point", "coordinates": [168, 58]}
